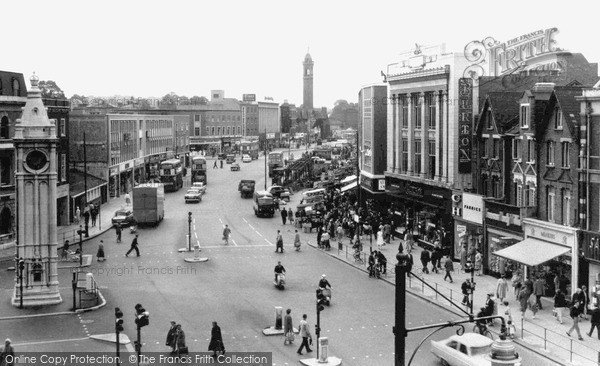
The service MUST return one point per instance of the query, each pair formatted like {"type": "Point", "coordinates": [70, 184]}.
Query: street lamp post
{"type": "Point", "coordinates": [400, 323]}
{"type": "Point", "coordinates": [21, 269]}
{"type": "Point", "coordinates": [189, 231]}
{"type": "Point", "coordinates": [87, 235]}
{"type": "Point", "coordinates": [80, 232]}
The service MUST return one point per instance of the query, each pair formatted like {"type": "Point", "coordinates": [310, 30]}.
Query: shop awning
{"type": "Point", "coordinates": [349, 186]}
{"type": "Point", "coordinates": [348, 179]}
{"type": "Point", "coordinates": [532, 252]}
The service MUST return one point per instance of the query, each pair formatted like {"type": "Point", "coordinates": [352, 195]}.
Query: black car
{"type": "Point", "coordinates": [123, 217]}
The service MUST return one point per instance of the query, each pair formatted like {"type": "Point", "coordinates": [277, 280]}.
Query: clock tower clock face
{"type": "Point", "coordinates": [36, 160]}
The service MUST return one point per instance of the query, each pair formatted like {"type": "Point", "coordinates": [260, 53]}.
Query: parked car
{"type": "Point", "coordinates": [246, 158]}
{"type": "Point", "coordinates": [201, 186]}
{"type": "Point", "coordinates": [123, 217]}
{"type": "Point", "coordinates": [468, 349]}
{"type": "Point", "coordinates": [279, 192]}
{"type": "Point", "coordinates": [235, 167]}
{"type": "Point", "coordinates": [193, 195]}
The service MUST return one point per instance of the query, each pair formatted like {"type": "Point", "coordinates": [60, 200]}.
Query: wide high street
{"type": "Point", "coordinates": [234, 288]}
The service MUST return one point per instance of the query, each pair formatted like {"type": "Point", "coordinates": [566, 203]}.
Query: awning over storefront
{"type": "Point", "coordinates": [532, 252]}
{"type": "Point", "coordinates": [349, 186]}
{"type": "Point", "coordinates": [348, 179]}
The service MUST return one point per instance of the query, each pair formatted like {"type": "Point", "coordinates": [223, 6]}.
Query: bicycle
{"type": "Point", "coordinates": [483, 330]}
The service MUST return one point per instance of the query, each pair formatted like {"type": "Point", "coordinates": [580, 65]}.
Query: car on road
{"type": "Point", "coordinates": [230, 159]}
{"type": "Point", "coordinates": [123, 217]}
{"type": "Point", "coordinates": [235, 167]}
{"type": "Point", "coordinates": [201, 186]}
{"type": "Point", "coordinates": [468, 349]}
{"type": "Point", "coordinates": [246, 158]}
{"type": "Point", "coordinates": [279, 192]}
{"type": "Point", "coordinates": [193, 195]}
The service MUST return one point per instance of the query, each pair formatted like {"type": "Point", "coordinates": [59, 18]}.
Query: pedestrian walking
{"type": "Point", "coordinates": [94, 213]}
{"type": "Point", "coordinates": [528, 285]}
{"type": "Point", "coordinates": [510, 328]}
{"type": "Point", "coordinates": [517, 283]}
{"type": "Point", "coordinates": [100, 257]}
{"type": "Point", "coordinates": [478, 263]}
{"type": "Point", "coordinates": [305, 334]}
{"type": "Point", "coordinates": [180, 346]}
{"type": "Point", "coordinates": [221, 164]}
{"type": "Point", "coordinates": [7, 354]}
{"type": "Point", "coordinates": [319, 235]}
{"type": "Point", "coordinates": [559, 304]}
{"type": "Point", "coordinates": [288, 329]}
{"type": "Point", "coordinates": [325, 241]}
{"type": "Point", "coordinates": [386, 234]}
{"type": "Point", "coordinates": [577, 300]}
{"type": "Point", "coordinates": [64, 255]}
{"type": "Point", "coordinates": [574, 313]}
{"type": "Point", "coordinates": [523, 302]}
{"type": "Point", "coordinates": [501, 289]}
{"type": "Point", "coordinates": [170, 342]}
{"type": "Point", "coordinates": [226, 234]}
{"type": "Point", "coordinates": [449, 267]}
{"type": "Point", "coordinates": [127, 199]}
{"type": "Point", "coordinates": [77, 215]}
{"type": "Point", "coordinates": [466, 288]}
{"type": "Point", "coordinates": [283, 216]}
{"type": "Point", "coordinates": [340, 234]}
{"type": "Point", "coordinates": [490, 307]}
{"type": "Point", "coordinates": [216, 340]}
{"type": "Point", "coordinates": [290, 216]}
{"type": "Point", "coordinates": [539, 287]}
{"type": "Point", "coordinates": [134, 246]}
{"type": "Point", "coordinates": [595, 320]}
{"type": "Point", "coordinates": [425, 258]}
{"type": "Point", "coordinates": [532, 304]}
{"type": "Point", "coordinates": [215, 166]}
{"type": "Point", "coordinates": [380, 241]}
{"type": "Point", "coordinates": [409, 263]}
{"type": "Point", "coordinates": [118, 231]}
{"type": "Point", "coordinates": [382, 262]}
{"type": "Point", "coordinates": [586, 301]}
{"type": "Point", "coordinates": [297, 242]}
{"type": "Point", "coordinates": [86, 216]}
{"type": "Point", "coordinates": [279, 242]}
{"type": "Point", "coordinates": [463, 258]}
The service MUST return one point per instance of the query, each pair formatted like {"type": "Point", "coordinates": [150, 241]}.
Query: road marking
{"type": "Point", "coordinates": [234, 243]}
{"type": "Point", "coordinates": [221, 221]}
{"type": "Point", "coordinates": [268, 241]}
{"type": "Point", "coordinates": [57, 341]}
{"type": "Point", "coordinates": [259, 234]}
{"type": "Point", "coordinates": [227, 246]}
{"type": "Point", "coordinates": [196, 234]}
{"type": "Point", "coordinates": [246, 221]}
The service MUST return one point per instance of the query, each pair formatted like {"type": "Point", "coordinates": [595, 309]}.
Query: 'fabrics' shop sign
{"type": "Point", "coordinates": [472, 208]}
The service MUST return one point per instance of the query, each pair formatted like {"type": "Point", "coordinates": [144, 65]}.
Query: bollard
{"type": "Point", "coordinates": [278, 317]}
{"type": "Point", "coordinates": [197, 251]}
{"type": "Point", "coordinates": [89, 281]}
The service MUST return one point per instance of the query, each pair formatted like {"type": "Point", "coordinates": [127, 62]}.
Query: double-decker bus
{"type": "Point", "coordinates": [171, 174]}
{"type": "Point", "coordinates": [250, 148]}
{"type": "Point", "coordinates": [199, 169]}
{"type": "Point", "coordinates": [275, 160]}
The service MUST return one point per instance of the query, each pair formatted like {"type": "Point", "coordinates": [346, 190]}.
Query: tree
{"type": "Point", "coordinates": [196, 100]}
{"type": "Point", "coordinates": [51, 90]}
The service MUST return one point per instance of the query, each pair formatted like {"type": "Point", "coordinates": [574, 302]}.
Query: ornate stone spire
{"type": "Point", "coordinates": [34, 112]}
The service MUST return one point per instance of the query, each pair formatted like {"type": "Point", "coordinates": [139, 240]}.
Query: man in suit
{"type": "Point", "coordinates": [305, 334]}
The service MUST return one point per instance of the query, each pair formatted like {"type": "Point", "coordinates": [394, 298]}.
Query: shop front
{"type": "Point", "coordinates": [547, 249]}
{"type": "Point", "coordinates": [589, 266]}
{"type": "Point", "coordinates": [373, 188]}
{"type": "Point", "coordinates": [423, 210]}
{"type": "Point", "coordinates": [502, 228]}
{"type": "Point", "coordinates": [467, 209]}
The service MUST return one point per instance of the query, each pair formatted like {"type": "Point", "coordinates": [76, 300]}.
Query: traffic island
{"type": "Point", "coordinates": [277, 329]}
{"type": "Point", "coordinates": [331, 361]}
{"type": "Point", "coordinates": [111, 338]}
{"type": "Point", "coordinates": [196, 258]}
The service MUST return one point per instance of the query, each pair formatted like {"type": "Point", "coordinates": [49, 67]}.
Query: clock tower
{"type": "Point", "coordinates": [307, 103]}
{"type": "Point", "coordinates": [36, 177]}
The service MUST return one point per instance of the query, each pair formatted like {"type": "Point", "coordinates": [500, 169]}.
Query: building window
{"type": "Point", "coordinates": [550, 203]}
{"type": "Point", "coordinates": [550, 153]}
{"type": "Point", "coordinates": [558, 119]}
{"type": "Point", "coordinates": [417, 157]}
{"type": "Point", "coordinates": [431, 152]}
{"type": "Point", "coordinates": [565, 154]}
{"type": "Point", "coordinates": [417, 112]}
{"type": "Point", "coordinates": [404, 102]}
{"type": "Point", "coordinates": [432, 109]}
{"type": "Point", "coordinates": [484, 185]}
{"type": "Point", "coordinates": [4, 128]}
{"type": "Point", "coordinates": [495, 148]}
{"type": "Point", "coordinates": [516, 149]}
{"type": "Point", "coordinates": [519, 195]}
{"type": "Point", "coordinates": [495, 187]}
{"type": "Point", "coordinates": [63, 167]}
{"type": "Point", "coordinates": [488, 118]}
{"type": "Point", "coordinates": [207, 131]}
{"type": "Point", "coordinates": [219, 130]}
{"type": "Point", "coordinates": [5, 171]}
{"type": "Point", "coordinates": [566, 205]}
{"type": "Point", "coordinates": [484, 147]}
{"type": "Point", "coordinates": [404, 166]}
{"type": "Point", "coordinates": [16, 88]}
{"type": "Point", "coordinates": [530, 150]}
{"type": "Point", "coordinates": [239, 130]}
{"type": "Point", "coordinates": [524, 116]}
{"type": "Point", "coordinates": [61, 127]}
{"type": "Point", "coordinates": [196, 118]}
{"type": "Point", "coordinates": [212, 131]}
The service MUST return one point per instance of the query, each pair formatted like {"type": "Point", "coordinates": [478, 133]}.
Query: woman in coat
{"type": "Point", "coordinates": [288, 327]}
{"type": "Point", "coordinates": [559, 303]}
{"type": "Point", "coordinates": [478, 263]}
{"type": "Point", "coordinates": [180, 346]}
{"type": "Point", "coordinates": [501, 289]}
{"type": "Point", "coordinates": [297, 242]}
{"type": "Point", "coordinates": [523, 302]}
{"type": "Point", "coordinates": [216, 340]}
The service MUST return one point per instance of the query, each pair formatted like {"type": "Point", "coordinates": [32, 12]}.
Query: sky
{"type": "Point", "coordinates": [151, 48]}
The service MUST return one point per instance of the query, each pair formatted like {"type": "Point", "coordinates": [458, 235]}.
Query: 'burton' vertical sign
{"type": "Point", "coordinates": [465, 120]}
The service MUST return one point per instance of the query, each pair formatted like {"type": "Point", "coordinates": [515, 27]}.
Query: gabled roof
{"type": "Point", "coordinates": [517, 169]}
{"type": "Point", "coordinates": [565, 177]}
{"type": "Point", "coordinates": [569, 106]}
{"type": "Point", "coordinates": [505, 108]}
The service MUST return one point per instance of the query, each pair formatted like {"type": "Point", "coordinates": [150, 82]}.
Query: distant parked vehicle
{"type": "Point", "coordinates": [279, 192]}
{"type": "Point", "coordinates": [123, 217]}
{"type": "Point", "coordinates": [193, 195]}
{"type": "Point", "coordinates": [235, 167]}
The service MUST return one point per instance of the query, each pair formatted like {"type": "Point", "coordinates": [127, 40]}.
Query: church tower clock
{"type": "Point", "coordinates": [36, 177]}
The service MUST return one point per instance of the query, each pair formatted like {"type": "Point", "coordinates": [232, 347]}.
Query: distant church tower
{"type": "Point", "coordinates": [35, 149]}
{"type": "Point", "coordinates": [308, 63]}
